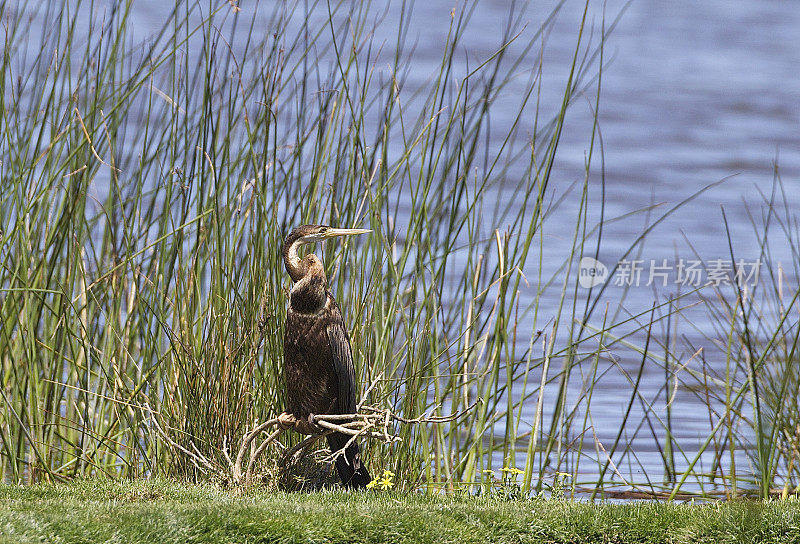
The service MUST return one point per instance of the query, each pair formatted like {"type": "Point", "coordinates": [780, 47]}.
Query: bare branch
{"type": "Point", "coordinates": [372, 422]}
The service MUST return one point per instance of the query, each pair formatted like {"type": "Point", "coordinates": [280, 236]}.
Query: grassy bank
{"type": "Point", "coordinates": [103, 511]}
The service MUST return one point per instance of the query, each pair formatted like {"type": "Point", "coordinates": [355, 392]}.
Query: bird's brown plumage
{"type": "Point", "coordinates": [318, 364]}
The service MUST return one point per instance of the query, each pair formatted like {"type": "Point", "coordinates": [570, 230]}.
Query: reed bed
{"type": "Point", "coordinates": [147, 183]}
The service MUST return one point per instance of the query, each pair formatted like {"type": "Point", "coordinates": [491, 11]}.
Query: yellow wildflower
{"type": "Point", "coordinates": [385, 481]}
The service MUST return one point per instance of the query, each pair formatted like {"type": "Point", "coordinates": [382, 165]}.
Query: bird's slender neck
{"type": "Point", "coordinates": [291, 260]}
{"type": "Point", "coordinates": [309, 293]}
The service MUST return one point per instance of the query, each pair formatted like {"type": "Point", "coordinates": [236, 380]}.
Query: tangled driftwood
{"type": "Point", "coordinates": [372, 423]}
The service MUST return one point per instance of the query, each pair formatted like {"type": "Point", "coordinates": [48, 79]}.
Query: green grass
{"type": "Point", "coordinates": [103, 511]}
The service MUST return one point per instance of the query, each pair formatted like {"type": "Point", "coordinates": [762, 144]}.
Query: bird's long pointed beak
{"type": "Point", "coordinates": [330, 233]}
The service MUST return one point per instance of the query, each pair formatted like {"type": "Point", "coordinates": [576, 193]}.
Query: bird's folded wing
{"type": "Point", "coordinates": [343, 364]}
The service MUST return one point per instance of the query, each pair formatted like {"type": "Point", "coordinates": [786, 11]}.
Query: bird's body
{"type": "Point", "coordinates": [318, 363]}
{"type": "Point", "coordinates": [307, 354]}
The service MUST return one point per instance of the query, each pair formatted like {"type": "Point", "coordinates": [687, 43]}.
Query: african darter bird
{"type": "Point", "coordinates": [318, 363]}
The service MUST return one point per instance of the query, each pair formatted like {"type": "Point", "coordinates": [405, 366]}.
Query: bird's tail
{"type": "Point", "coordinates": [349, 465]}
